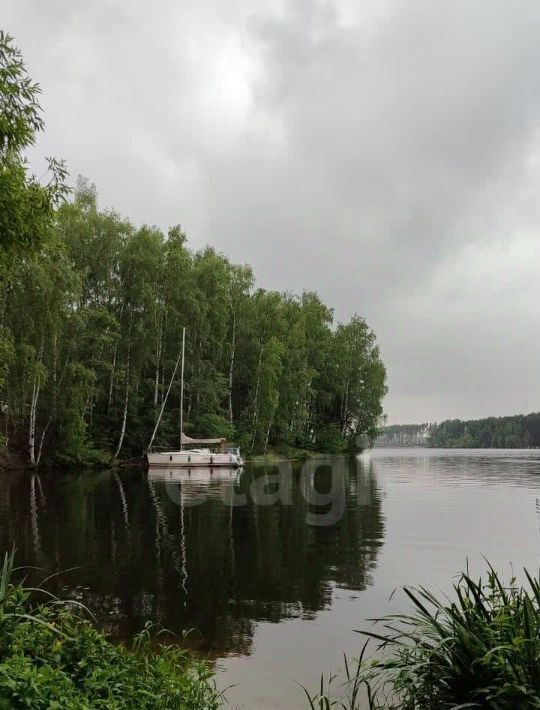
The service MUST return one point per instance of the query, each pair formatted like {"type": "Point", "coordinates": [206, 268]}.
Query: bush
{"type": "Point", "coordinates": [52, 658]}
{"type": "Point", "coordinates": [330, 441]}
{"type": "Point", "coordinates": [480, 649]}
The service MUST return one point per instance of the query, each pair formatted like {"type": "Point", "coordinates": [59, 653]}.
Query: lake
{"type": "Point", "coordinates": [273, 568]}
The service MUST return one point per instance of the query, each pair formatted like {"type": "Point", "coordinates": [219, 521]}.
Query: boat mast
{"type": "Point", "coordinates": [168, 392]}
{"type": "Point", "coordinates": [182, 387]}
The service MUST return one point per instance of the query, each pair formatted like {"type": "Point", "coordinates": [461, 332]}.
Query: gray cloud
{"type": "Point", "coordinates": [386, 155]}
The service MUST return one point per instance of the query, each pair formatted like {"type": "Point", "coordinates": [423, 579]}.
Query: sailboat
{"type": "Point", "coordinates": [192, 453]}
{"type": "Point", "coordinates": [197, 452]}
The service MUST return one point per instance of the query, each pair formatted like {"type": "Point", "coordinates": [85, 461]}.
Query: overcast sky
{"type": "Point", "coordinates": [385, 153]}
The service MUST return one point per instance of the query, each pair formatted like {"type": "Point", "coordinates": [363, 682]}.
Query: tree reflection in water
{"type": "Point", "coordinates": [174, 549]}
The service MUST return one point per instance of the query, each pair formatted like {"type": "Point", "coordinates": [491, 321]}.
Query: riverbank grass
{"type": "Point", "coordinates": [52, 657]}
{"type": "Point", "coordinates": [478, 649]}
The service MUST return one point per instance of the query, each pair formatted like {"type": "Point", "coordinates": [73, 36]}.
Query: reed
{"type": "Point", "coordinates": [478, 648]}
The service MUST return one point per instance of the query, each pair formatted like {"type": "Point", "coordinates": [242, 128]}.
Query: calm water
{"type": "Point", "coordinates": [272, 579]}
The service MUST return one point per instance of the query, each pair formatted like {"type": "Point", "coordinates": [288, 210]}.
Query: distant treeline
{"type": "Point", "coordinates": [403, 435]}
{"type": "Point", "coordinates": [515, 432]}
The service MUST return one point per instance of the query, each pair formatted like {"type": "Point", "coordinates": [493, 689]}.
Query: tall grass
{"type": "Point", "coordinates": [52, 657]}
{"type": "Point", "coordinates": [480, 648]}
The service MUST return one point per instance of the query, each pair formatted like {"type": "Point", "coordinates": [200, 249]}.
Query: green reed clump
{"type": "Point", "coordinates": [51, 657]}
{"type": "Point", "coordinates": [478, 649]}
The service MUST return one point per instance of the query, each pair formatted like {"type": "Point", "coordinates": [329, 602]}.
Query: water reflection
{"type": "Point", "coordinates": [468, 467]}
{"type": "Point", "coordinates": [225, 553]}
{"type": "Point", "coordinates": [214, 551]}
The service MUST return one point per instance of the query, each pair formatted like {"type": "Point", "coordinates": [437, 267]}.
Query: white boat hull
{"type": "Point", "coordinates": [193, 459]}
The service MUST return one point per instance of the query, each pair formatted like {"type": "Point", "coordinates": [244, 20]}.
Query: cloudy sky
{"type": "Point", "coordinates": [385, 153]}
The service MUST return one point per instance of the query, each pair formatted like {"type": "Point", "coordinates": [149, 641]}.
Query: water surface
{"type": "Point", "coordinates": [249, 562]}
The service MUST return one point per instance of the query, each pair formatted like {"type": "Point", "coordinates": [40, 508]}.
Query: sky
{"type": "Point", "coordinates": [385, 153]}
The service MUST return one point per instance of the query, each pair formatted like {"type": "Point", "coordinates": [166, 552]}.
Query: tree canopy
{"type": "Point", "coordinates": [95, 330]}
{"type": "Point", "coordinates": [26, 204]}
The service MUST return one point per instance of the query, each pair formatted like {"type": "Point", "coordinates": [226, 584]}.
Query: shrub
{"type": "Point", "coordinates": [51, 657]}
{"type": "Point", "coordinates": [480, 649]}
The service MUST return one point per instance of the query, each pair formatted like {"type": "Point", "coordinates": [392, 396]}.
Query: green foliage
{"type": "Point", "coordinates": [214, 426]}
{"type": "Point", "coordinates": [93, 330]}
{"type": "Point", "coordinates": [330, 440]}
{"type": "Point", "coordinates": [521, 431]}
{"type": "Point", "coordinates": [26, 205]}
{"type": "Point", "coordinates": [480, 649]}
{"type": "Point", "coordinates": [50, 657]}
{"type": "Point", "coordinates": [7, 353]}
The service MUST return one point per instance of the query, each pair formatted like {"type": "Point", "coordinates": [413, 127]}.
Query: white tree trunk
{"type": "Point", "coordinates": [89, 404]}
{"type": "Point", "coordinates": [256, 402]}
{"type": "Point", "coordinates": [156, 386]}
{"type": "Point", "coordinates": [124, 418]}
{"type": "Point", "coordinates": [268, 434]}
{"type": "Point", "coordinates": [32, 425]}
{"type": "Point", "coordinates": [33, 411]}
{"type": "Point", "coordinates": [344, 408]}
{"type": "Point", "coordinates": [42, 439]}
{"type": "Point", "coordinates": [159, 347]}
{"type": "Point", "coordinates": [231, 367]}
{"type": "Point", "coordinates": [111, 384]}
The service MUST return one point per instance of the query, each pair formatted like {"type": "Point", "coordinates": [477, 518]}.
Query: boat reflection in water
{"type": "Point", "coordinates": [194, 485]}
{"type": "Point", "coordinates": [189, 487]}
{"type": "Point", "coordinates": [201, 474]}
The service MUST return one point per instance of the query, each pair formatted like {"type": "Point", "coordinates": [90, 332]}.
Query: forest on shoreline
{"type": "Point", "coordinates": [91, 315]}
{"type": "Point", "coordinates": [521, 431]}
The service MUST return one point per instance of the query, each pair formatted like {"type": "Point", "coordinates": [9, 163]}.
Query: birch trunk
{"type": "Point", "coordinates": [126, 403]}
{"type": "Point", "coordinates": [159, 347]}
{"type": "Point", "coordinates": [268, 434]}
{"type": "Point", "coordinates": [156, 386]}
{"type": "Point", "coordinates": [32, 425]}
{"type": "Point", "coordinates": [344, 407]}
{"type": "Point", "coordinates": [33, 411]}
{"type": "Point", "coordinates": [231, 367]}
{"type": "Point", "coordinates": [42, 439]}
{"type": "Point", "coordinates": [256, 402]}
{"type": "Point", "coordinates": [56, 382]}
{"type": "Point", "coordinates": [198, 373]}
{"type": "Point", "coordinates": [89, 404]}
{"type": "Point", "coordinates": [111, 384]}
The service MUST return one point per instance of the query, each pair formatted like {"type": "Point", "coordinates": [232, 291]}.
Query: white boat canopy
{"type": "Point", "coordinates": [208, 442]}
